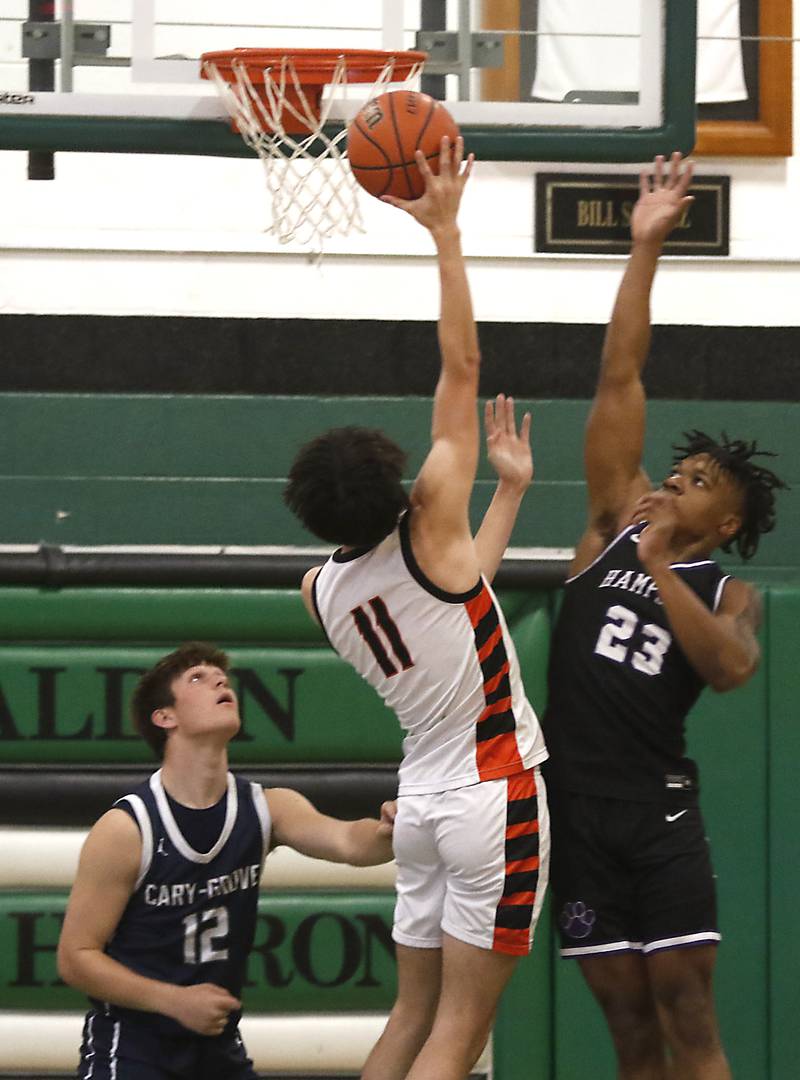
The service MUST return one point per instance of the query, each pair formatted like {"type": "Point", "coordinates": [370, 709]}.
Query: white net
{"type": "Point", "coordinates": [312, 190]}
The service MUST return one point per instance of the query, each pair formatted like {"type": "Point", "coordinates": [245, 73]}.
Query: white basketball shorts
{"type": "Point", "coordinates": [473, 863]}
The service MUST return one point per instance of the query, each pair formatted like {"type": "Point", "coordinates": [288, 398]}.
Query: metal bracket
{"type": "Point", "coordinates": [442, 49]}
{"type": "Point", "coordinates": [42, 40]}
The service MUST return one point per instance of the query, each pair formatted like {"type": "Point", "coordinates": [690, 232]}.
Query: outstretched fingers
{"type": "Point", "coordinates": [489, 424]}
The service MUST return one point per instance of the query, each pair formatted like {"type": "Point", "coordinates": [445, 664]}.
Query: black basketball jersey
{"type": "Point", "coordinates": [192, 915]}
{"type": "Point", "coordinates": [619, 684]}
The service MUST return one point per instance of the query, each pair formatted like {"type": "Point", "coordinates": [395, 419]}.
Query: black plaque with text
{"type": "Point", "coordinates": [590, 214]}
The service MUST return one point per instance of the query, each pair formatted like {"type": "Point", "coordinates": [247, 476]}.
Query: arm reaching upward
{"type": "Point", "coordinates": [510, 455]}
{"type": "Point", "coordinates": [615, 430]}
{"type": "Point", "coordinates": [440, 524]}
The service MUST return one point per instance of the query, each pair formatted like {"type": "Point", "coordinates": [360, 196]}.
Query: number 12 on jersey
{"type": "Point", "coordinates": [616, 641]}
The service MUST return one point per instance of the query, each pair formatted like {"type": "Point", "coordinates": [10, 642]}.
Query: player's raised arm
{"type": "Point", "coordinates": [509, 453]}
{"type": "Point", "coordinates": [444, 484]}
{"type": "Point", "coordinates": [615, 430]}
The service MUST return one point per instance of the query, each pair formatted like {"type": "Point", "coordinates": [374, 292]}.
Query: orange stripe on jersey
{"type": "Point", "coordinates": [522, 786]}
{"type": "Point", "coordinates": [496, 749]}
{"type": "Point", "coordinates": [478, 606]}
{"type": "Point", "coordinates": [513, 942]}
{"type": "Point", "coordinates": [491, 644]}
{"type": "Point", "coordinates": [518, 898]}
{"type": "Point", "coordinates": [514, 912]}
{"type": "Point", "coordinates": [521, 866]}
{"type": "Point", "coordinates": [495, 707]}
{"type": "Point", "coordinates": [525, 828]}
{"type": "Point", "coordinates": [496, 755]}
{"type": "Point", "coordinates": [491, 684]}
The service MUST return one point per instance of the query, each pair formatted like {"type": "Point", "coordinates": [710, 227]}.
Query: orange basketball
{"type": "Point", "coordinates": [382, 139]}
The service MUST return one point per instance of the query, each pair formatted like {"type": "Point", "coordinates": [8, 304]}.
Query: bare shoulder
{"type": "Point", "coordinates": [284, 802]}
{"type": "Point", "coordinates": [597, 537]}
{"type": "Point", "coordinates": [741, 601]}
{"type": "Point", "coordinates": [114, 845]}
{"type": "Point", "coordinates": [307, 590]}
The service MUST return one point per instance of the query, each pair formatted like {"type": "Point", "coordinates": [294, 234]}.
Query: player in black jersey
{"type": "Point", "coordinates": [163, 910]}
{"type": "Point", "coordinates": [647, 620]}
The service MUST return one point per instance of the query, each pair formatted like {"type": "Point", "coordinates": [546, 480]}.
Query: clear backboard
{"type": "Point", "coordinates": [597, 79]}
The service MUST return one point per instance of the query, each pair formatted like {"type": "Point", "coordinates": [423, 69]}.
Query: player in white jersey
{"type": "Point", "coordinates": [406, 601]}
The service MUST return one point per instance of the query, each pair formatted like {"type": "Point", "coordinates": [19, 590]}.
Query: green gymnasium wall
{"type": "Point", "coordinates": [548, 1028]}
{"type": "Point", "coordinates": [137, 469]}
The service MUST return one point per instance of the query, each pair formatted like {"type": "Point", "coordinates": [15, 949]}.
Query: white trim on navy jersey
{"type": "Point", "coordinates": [264, 818]}
{"type": "Point", "coordinates": [146, 829]}
{"type": "Point", "coordinates": [720, 589]}
{"type": "Point", "coordinates": [604, 552]}
{"type": "Point", "coordinates": [112, 1054]}
{"type": "Point", "coordinates": [174, 833]}
{"type": "Point", "coordinates": [89, 1042]}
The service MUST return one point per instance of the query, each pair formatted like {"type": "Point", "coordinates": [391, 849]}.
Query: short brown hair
{"type": "Point", "coordinates": [154, 689]}
{"type": "Point", "coordinates": [346, 486]}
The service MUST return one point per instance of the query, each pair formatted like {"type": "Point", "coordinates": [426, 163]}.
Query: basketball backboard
{"type": "Point", "coordinates": [123, 75]}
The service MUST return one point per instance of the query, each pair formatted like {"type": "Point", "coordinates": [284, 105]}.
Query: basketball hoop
{"type": "Point", "coordinates": [276, 100]}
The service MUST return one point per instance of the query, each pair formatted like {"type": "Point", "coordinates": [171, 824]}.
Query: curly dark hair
{"type": "Point", "coordinates": [154, 689]}
{"type": "Point", "coordinates": [346, 486]}
{"type": "Point", "coordinates": [757, 484]}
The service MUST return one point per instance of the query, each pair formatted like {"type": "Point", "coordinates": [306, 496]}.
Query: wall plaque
{"type": "Point", "coordinates": [590, 214]}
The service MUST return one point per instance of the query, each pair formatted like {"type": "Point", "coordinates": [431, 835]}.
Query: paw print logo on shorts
{"type": "Point", "coordinates": [576, 919]}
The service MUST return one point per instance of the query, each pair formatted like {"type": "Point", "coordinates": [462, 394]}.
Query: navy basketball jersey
{"type": "Point", "coordinates": [620, 685]}
{"type": "Point", "coordinates": [192, 915]}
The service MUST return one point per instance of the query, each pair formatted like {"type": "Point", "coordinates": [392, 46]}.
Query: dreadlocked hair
{"type": "Point", "coordinates": [757, 484]}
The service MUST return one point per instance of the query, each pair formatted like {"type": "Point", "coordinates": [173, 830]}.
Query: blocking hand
{"type": "Point", "coordinates": [662, 200]}
{"type": "Point", "coordinates": [509, 451]}
{"type": "Point", "coordinates": [438, 205]}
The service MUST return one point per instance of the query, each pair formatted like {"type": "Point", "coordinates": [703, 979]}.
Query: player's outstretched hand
{"type": "Point", "coordinates": [438, 205]}
{"type": "Point", "coordinates": [388, 814]}
{"type": "Point", "coordinates": [509, 450]}
{"type": "Point", "coordinates": [662, 199]}
{"type": "Point", "coordinates": [203, 1008]}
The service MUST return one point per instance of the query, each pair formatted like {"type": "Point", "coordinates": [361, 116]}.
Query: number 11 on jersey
{"type": "Point", "coordinates": [387, 625]}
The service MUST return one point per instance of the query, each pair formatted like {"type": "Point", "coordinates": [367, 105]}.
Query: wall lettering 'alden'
{"type": "Point", "coordinates": [57, 715]}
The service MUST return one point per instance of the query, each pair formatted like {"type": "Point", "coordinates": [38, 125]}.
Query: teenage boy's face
{"type": "Point", "coordinates": [205, 702]}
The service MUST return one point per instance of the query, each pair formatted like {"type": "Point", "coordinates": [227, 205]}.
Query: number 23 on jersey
{"type": "Point", "coordinates": [624, 639]}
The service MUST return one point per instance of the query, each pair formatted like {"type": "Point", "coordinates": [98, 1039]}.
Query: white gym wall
{"type": "Point", "coordinates": [160, 235]}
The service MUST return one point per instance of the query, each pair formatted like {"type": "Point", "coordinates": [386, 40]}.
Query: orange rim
{"type": "Point", "coordinates": [314, 67]}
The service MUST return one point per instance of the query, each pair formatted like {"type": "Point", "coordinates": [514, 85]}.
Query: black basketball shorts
{"type": "Point", "coordinates": [630, 876]}
{"type": "Point", "coordinates": [116, 1048]}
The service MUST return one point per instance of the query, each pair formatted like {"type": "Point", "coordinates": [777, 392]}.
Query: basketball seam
{"type": "Point", "coordinates": [391, 165]}
{"type": "Point", "coordinates": [403, 165]}
{"type": "Point", "coordinates": [424, 128]}
{"type": "Point", "coordinates": [388, 166]}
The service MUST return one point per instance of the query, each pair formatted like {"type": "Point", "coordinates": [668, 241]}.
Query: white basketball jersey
{"type": "Point", "coordinates": [566, 63]}
{"type": "Point", "coordinates": [443, 662]}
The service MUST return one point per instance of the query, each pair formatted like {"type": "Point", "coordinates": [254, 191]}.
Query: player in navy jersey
{"type": "Point", "coordinates": [163, 909]}
{"type": "Point", "coordinates": [406, 599]}
{"type": "Point", "coordinates": [647, 620]}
